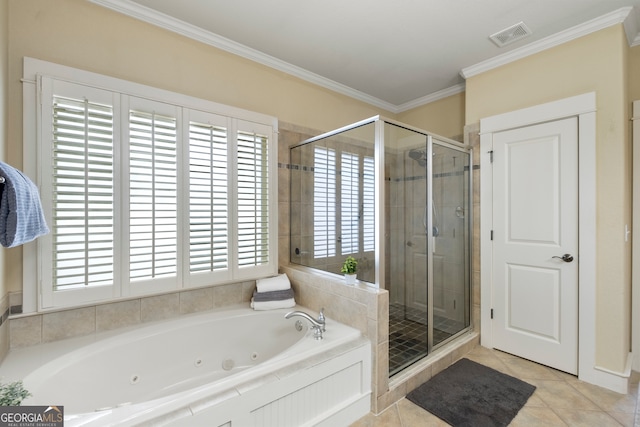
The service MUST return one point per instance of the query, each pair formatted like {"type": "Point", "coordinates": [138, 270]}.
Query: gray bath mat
{"type": "Point", "coordinates": [468, 394]}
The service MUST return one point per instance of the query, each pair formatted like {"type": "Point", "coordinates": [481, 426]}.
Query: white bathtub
{"type": "Point", "coordinates": [227, 367]}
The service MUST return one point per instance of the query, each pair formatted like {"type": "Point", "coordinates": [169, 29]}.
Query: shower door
{"type": "Point", "coordinates": [428, 229]}
{"type": "Point", "coordinates": [406, 166]}
{"type": "Point", "coordinates": [450, 241]}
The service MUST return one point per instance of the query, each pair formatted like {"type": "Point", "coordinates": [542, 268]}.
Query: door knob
{"type": "Point", "coordinates": [565, 257]}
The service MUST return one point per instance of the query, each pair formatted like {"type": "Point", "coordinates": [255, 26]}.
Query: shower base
{"type": "Point", "coordinates": [408, 335]}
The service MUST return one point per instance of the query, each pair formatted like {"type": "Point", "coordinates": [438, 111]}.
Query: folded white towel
{"type": "Point", "coordinates": [272, 305]}
{"type": "Point", "coordinates": [270, 284]}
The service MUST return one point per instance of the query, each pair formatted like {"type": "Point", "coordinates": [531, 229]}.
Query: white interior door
{"type": "Point", "coordinates": [535, 243]}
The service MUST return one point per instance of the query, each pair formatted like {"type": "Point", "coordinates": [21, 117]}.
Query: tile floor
{"type": "Point", "coordinates": [559, 400]}
{"type": "Point", "coordinates": [408, 335]}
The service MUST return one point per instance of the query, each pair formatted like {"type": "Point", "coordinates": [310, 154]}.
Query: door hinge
{"type": "Point", "coordinates": [490, 156]}
{"type": "Point", "coordinates": [492, 313]}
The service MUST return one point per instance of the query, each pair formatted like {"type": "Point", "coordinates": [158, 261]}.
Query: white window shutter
{"type": "Point", "coordinates": [324, 202]}
{"type": "Point", "coordinates": [208, 187]}
{"type": "Point", "coordinates": [83, 222]}
{"type": "Point", "coordinates": [368, 205]}
{"type": "Point", "coordinates": [153, 199]}
{"type": "Point", "coordinates": [145, 196]}
{"type": "Point", "coordinates": [253, 199]}
{"type": "Point", "coordinates": [350, 203]}
{"type": "Point", "coordinates": [78, 166]}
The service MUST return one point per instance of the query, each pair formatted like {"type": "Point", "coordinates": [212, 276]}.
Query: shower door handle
{"type": "Point", "coordinates": [565, 257]}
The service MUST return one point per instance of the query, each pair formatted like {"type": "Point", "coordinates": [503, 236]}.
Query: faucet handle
{"type": "Point", "coordinates": [322, 319]}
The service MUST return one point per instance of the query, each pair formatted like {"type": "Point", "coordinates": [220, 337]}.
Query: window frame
{"type": "Point", "coordinates": [35, 254]}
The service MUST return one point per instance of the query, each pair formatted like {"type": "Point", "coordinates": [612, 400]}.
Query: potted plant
{"type": "Point", "coordinates": [13, 394]}
{"type": "Point", "coordinates": [349, 269]}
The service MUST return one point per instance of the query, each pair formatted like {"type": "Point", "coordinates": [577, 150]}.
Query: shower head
{"type": "Point", "coordinates": [417, 154]}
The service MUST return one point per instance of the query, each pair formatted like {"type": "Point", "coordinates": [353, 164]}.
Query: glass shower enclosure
{"type": "Point", "coordinates": [397, 199]}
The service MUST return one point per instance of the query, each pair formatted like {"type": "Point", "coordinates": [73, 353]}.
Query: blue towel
{"type": "Point", "coordinates": [21, 216]}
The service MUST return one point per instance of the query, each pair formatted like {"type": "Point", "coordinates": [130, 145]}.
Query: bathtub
{"type": "Point", "coordinates": [227, 367]}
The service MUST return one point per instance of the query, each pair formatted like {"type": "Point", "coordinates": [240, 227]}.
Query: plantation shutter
{"type": "Point", "coordinates": [252, 199]}
{"type": "Point", "coordinates": [82, 169]}
{"type": "Point", "coordinates": [152, 195]}
{"type": "Point", "coordinates": [350, 207]}
{"type": "Point", "coordinates": [324, 202]}
{"type": "Point", "coordinates": [368, 205]}
{"type": "Point", "coordinates": [208, 198]}
{"type": "Point", "coordinates": [143, 196]}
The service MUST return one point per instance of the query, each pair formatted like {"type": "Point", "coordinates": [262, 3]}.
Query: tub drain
{"type": "Point", "coordinates": [135, 379]}
{"type": "Point", "coordinates": [254, 356]}
{"type": "Point", "coordinates": [198, 362]}
{"type": "Point", "coordinates": [228, 364]}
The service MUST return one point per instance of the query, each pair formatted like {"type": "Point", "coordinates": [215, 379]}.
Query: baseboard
{"type": "Point", "coordinates": [615, 381]}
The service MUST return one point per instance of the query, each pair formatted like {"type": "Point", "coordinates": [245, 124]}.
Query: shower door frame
{"type": "Point", "coordinates": [380, 211]}
{"type": "Point", "coordinates": [381, 223]}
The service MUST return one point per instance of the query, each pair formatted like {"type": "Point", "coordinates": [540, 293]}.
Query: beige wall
{"type": "Point", "coordinates": [444, 117]}
{"type": "Point", "coordinates": [597, 62]}
{"type": "Point", "coordinates": [634, 73]}
{"type": "Point", "coordinates": [80, 34]}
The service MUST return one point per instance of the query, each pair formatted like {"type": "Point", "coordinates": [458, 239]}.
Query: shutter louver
{"type": "Point", "coordinates": [253, 200]}
{"type": "Point", "coordinates": [153, 196]}
{"type": "Point", "coordinates": [324, 203]}
{"type": "Point", "coordinates": [349, 210]}
{"type": "Point", "coordinates": [83, 228]}
{"type": "Point", "coordinates": [368, 205]}
{"type": "Point", "coordinates": [208, 198]}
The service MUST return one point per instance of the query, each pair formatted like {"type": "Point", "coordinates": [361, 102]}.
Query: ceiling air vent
{"type": "Point", "coordinates": [510, 35]}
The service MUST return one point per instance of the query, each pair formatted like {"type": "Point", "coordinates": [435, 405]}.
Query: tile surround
{"type": "Point", "coordinates": [117, 315]}
{"type": "Point", "coordinates": [28, 330]}
{"type": "Point", "coordinates": [69, 323]}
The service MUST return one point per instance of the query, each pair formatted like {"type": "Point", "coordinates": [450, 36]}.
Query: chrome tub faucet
{"type": "Point", "coordinates": [318, 325]}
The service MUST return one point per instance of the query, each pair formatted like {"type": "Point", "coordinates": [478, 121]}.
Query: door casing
{"type": "Point", "coordinates": [584, 108]}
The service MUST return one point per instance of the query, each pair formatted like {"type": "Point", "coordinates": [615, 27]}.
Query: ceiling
{"type": "Point", "coordinates": [392, 54]}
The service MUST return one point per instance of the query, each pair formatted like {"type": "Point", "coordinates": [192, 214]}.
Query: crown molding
{"type": "Point", "coordinates": [127, 7]}
{"type": "Point", "coordinates": [632, 27]}
{"type": "Point", "coordinates": [435, 96]}
{"type": "Point", "coordinates": [166, 22]}
{"type": "Point", "coordinates": [616, 17]}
